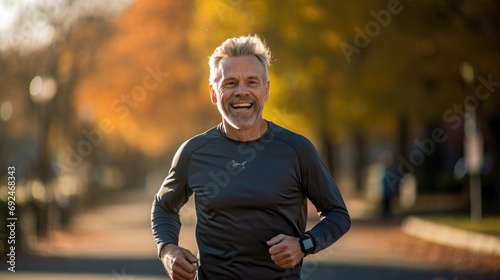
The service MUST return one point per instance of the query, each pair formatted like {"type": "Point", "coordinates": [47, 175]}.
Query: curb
{"type": "Point", "coordinates": [449, 236]}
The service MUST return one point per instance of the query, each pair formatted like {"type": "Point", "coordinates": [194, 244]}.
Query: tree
{"type": "Point", "coordinates": [364, 71]}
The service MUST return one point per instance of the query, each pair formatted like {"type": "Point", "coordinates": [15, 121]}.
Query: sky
{"type": "Point", "coordinates": [36, 31]}
{"type": "Point", "coordinates": [8, 11]}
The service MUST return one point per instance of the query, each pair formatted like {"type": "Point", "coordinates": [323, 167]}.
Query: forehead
{"type": "Point", "coordinates": [247, 65]}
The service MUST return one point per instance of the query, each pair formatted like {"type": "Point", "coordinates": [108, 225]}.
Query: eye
{"type": "Point", "coordinates": [230, 84]}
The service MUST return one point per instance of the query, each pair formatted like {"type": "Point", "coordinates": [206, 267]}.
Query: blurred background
{"type": "Point", "coordinates": [401, 98]}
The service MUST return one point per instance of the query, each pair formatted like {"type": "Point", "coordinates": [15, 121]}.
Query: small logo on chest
{"type": "Point", "coordinates": [239, 164]}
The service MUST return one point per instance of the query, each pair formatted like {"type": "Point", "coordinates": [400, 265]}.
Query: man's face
{"type": "Point", "coordinates": [240, 91]}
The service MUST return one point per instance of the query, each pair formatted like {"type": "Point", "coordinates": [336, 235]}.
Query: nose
{"type": "Point", "coordinates": [241, 89]}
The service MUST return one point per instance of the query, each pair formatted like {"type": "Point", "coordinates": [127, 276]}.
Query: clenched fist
{"type": "Point", "coordinates": [180, 263]}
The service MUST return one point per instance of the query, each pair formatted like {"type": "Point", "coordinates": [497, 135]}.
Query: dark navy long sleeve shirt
{"type": "Point", "coordinates": [245, 194]}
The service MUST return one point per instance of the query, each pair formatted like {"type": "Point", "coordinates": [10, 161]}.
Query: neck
{"type": "Point", "coordinates": [247, 134]}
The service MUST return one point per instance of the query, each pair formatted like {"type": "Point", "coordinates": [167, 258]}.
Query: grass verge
{"type": "Point", "coordinates": [488, 225]}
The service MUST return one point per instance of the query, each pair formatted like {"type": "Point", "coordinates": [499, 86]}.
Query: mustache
{"type": "Point", "coordinates": [242, 99]}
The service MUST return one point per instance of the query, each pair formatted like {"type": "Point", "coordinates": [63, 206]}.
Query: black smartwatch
{"type": "Point", "coordinates": [306, 244]}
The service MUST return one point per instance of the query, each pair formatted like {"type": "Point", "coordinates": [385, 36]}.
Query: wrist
{"type": "Point", "coordinates": [307, 244]}
{"type": "Point", "coordinates": [166, 248]}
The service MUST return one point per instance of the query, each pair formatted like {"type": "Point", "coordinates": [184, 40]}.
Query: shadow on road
{"type": "Point", "coordinates": [329, 271]}
{"type": "Point", "coordinates": [139, 268]}
{"type": "Point", "coordinates": [116, 268]}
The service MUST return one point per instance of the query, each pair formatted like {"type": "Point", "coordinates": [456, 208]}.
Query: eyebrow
{"type": "Point", "coordinates": [247, 78]}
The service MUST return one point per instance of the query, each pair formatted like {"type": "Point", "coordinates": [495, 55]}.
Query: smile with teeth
{"type": "Point", "coordinates": [242, 106]}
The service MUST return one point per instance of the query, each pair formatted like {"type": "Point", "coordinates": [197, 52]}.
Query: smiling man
{"type": "Point", "coordinates": [251, 179]}
{"type": "Point", "coordinates": [240, 89]}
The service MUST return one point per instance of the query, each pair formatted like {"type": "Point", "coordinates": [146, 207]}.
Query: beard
{"type": "Point", "coordinates": [241, 119]}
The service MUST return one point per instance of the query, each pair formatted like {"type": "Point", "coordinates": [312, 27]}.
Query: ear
{"type": "Point", "coordinates": [213, 94]}
{"type": "Point", "coordinates": [266, 95]}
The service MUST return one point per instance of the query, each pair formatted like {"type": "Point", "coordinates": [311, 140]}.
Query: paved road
{"type": "Point", "coordinates": [114, 242]}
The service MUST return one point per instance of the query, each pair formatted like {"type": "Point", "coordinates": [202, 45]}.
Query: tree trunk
{"type": "Point", "coordinates": [359, 161]}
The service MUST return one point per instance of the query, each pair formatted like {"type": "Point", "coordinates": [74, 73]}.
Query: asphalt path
{"type": "Point", "coordinates": [114, 242]}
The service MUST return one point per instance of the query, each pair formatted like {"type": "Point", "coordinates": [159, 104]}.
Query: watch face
{"type": "Point", "coordinates": [308, 244]}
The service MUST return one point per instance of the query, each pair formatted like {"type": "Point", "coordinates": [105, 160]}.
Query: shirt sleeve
{"type": "Point", "coordinates": [322, 191]}
{"type": "Point", "coordinates": [173, 194]}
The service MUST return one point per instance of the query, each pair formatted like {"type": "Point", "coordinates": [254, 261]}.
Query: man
{"type": "Point", "coordinates": [250, 178]}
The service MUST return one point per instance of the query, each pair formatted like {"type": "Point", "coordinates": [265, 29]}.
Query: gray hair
{"type": "Point", "coordinates": [239, 46]}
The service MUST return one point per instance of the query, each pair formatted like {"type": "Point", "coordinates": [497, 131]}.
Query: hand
{"type": "Point", "coordinates": [285, 250]}
{"type": "Point", "coordinates": [180, 263]}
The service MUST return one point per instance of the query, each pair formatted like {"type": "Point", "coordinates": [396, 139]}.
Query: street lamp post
{"type": "Point", "coordinates": [473, 146]}
{"type": "Point", "coordinates": [42, 90]}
